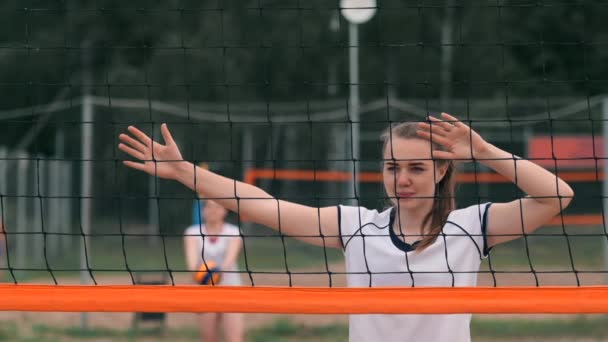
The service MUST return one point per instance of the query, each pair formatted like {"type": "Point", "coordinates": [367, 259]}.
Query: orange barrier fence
{"type": "Point", "coordinates": [141, 298]}
{"type": "Point", "coordinates": [253, 175]}
{"type": "Point", "coordinates": [577, 220]}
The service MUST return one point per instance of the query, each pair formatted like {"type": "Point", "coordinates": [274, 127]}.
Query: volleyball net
{"type": "Point", "coordinates": [270, 95]}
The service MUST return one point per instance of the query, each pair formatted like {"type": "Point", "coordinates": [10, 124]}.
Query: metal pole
{"type": "Point", "coordinates": [248, 164]}
{"type": "Point", "coordinates": [52, 227]}
{"type": "Point", "coordinates": [3, 192]}
{"type": "Point", "coordinates": [38, 240]}
{"type": "Point", "coordinates": [67, 242]}
{"type": "Point", "coordinates": [446, 56]}
{"type": "Point", "coordinates": [153, 224]}
{"type": "Point", "coordinates": [353, 41]}
{"type": "Point", "coordinates": [332, 86]}
{"type": "Point", "coordinates": [85, 201]}
{"type": "Point", "coordinates": [87, 170]}
{"type": "Point", "coordinates": [605, 182]}
{"type": "Point", "coordinates": [3, 167]}
{"type": "Point", "coordinates": [55, 204]}
{"type": "Point", "coordinates": [21, 224]}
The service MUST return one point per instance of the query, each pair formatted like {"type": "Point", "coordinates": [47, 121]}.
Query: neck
{"type": "Point", "coordinates": [213, 226]}
{"type": "Point", "coordinates": [410, 221]}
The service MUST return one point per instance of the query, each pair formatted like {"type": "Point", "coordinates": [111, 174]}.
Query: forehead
{"type": "Point", "coordinates": [408, 150]}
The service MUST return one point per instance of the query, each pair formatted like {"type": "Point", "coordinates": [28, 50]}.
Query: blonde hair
{"type": "Point", "coordinates": [444, 199]}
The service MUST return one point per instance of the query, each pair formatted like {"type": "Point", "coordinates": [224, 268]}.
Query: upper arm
{"type": "Point", "coordinates": [511, 220]}
{"type": "Point", "coordinates": [317, 226]}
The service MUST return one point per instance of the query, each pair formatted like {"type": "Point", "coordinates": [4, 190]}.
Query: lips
{"type": "Point", "coordinates": [405, 194]}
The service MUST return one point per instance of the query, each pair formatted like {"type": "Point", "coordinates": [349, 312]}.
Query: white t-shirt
{"type": "Point", "coordinates": [214, 248]}
{"type": "Point", "coordinates": [376, 257]}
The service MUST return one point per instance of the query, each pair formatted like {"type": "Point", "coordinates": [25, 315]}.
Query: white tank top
{"type": "Point", "coordinates": [375, 257]}
{"type": "Point", "coordinates": [214, 248]}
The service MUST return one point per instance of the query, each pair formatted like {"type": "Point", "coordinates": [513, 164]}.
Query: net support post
{"type": "Point", "coordinates": [22, 209]}
{"type": "Point", "coordinates": [86, 192]}
{"type": "Point", "coordinates": [604, 162]}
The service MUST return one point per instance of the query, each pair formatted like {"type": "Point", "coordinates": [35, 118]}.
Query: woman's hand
{"type": "Point", "coordinates": [461, 143]}
{"type": "Point", "coordinates": [158, 160]}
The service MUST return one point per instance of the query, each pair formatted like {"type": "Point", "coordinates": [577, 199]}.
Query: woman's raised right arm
{"type": "Point", "coordinates": [318, 226]}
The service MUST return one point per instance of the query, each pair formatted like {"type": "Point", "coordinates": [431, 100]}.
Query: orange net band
{"type": "Point", "coordinates": [154, 298]}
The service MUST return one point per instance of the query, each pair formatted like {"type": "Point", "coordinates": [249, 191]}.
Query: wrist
{"type": "Point", "coordinates": [184, 172]}
{"type": "Point", "coordinates": [486, 153]}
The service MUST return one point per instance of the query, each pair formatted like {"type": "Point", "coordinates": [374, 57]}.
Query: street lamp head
{"type": "Point", "coordinates": [358, 11]}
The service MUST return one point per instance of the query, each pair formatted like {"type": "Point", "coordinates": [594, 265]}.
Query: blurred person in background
{"type": "Point", "coordinates": [215, 245]}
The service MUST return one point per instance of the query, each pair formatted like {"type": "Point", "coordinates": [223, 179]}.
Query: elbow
{"type": "Point", "coordinates": [566, 196]}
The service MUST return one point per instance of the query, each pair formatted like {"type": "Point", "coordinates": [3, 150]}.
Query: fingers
{"type": "Point", "coordinates": [453, 120]}
{"type": "Point", "coordinates": [443, 154]}
{"type": "Point", "coordinates": [445, 142]}
{"type": "Point", "coordinates": [131, 151]}
{"type": "Point", "coordinates": [166, 134]}
{"type": "Point", "coordinates": [132, 143]}
{"type": "Point", "coordinates": [432, 127]}
{"type": "Point", "coordinates": [134, 165]}
{"type": "Point", "coordinates": [436, 138]}
{"type": "Point", "coordinates": [141, 136]}
{"type": "Point", "coordinates": [445, 125]}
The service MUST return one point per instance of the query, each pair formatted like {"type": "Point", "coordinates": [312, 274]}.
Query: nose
{"type": "Point", "coordinates": [404, 179]}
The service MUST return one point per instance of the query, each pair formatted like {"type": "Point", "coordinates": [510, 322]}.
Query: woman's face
{"type": "Point", "coordinates": [213, 212]}
{"type": "Point", "coordinates": [409, 174]}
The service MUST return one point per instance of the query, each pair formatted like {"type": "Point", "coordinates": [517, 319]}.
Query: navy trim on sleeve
{"type": "Point", "coordinates": [486, 250]}
{"type": "Point", "coordinates": [340, 228]}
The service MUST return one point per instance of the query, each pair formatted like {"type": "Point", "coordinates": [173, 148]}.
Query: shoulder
{"type": "Point", "coordinates": [357, 212]}
{"type": "Point", "coordinates": [231, 229]}
{"type": "Point", "coordinates": [194, 229]}
{"type": "Point", "coordinates": [357, 217]}
{"type": "Point", "coordinates": [474, 210]}
{"type": "Point", "coordinates": [471, 217]}
{"type": "Point", "coordinates": [353, 221]}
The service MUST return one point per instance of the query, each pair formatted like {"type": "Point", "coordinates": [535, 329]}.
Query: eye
{"type": "Point", "coordinates": [417, 169]}
{"type": "Point", "coordinates": [391, 168]}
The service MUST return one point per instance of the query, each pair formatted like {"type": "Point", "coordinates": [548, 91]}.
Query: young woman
{"type": "Point", "coordinates": [216, 242]}
{"type": "Point", "coordinates": [423, 240]}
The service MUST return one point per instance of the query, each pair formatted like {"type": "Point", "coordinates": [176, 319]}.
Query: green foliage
{"type": "Point", "coordinates": [552, 248]}
{"type": "Point", "coordinates": [223, 57]}
{"type": "Point", "coordinates": [266, 51]}
{"type": "Point", "coordinates": [284, 329]}
{"type": "Point", "coordinates": [579, 327]}
{"type": "Point", "coordinates": [8, 331]}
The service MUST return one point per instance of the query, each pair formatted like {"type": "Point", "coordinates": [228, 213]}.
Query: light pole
{"type": "Point", "coordinates": [356, 12]}
{"type": "Point", "coordinates": [86, 185]}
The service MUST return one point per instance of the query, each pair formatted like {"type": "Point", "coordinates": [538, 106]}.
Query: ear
{"type": "Point", "coordinates": [441, 171]}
